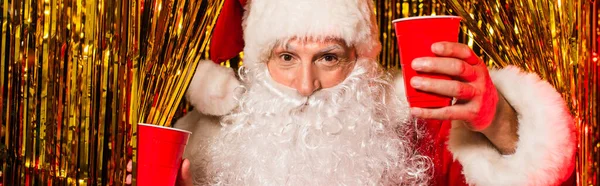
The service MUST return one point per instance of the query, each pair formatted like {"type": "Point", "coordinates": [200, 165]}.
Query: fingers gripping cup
{"type": "Point", "coordinates": [415, 35]}
{"type": "Point", "coordinates": [159, 154]}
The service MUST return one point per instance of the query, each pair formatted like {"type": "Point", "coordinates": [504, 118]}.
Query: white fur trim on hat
{"type": "Point", "coordinates": [546, 147]}
{"type": "Point", "coordinates": [268, 21]}
{"type": "Point", "coordinates": [211, 90]}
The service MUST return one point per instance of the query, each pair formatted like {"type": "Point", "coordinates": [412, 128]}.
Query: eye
{"type": "Point", "coordinates": [330, 58]}
{"type": "Point", "coordinates": [286, 57]}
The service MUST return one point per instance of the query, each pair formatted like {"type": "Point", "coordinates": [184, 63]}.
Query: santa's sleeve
{"type": "Point", "coordinates": [546, 147]}
{"type": "Point", "coordinates": [212, 89]}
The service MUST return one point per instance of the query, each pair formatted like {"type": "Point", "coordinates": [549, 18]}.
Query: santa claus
{"type": "Point", "coordinates": [312, 106]}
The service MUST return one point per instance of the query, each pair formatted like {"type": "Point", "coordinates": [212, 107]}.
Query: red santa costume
{"type": "Point", "coordinates": [254, 131]}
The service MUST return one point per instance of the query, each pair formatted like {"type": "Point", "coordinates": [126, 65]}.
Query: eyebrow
{"type": "Point", "coordinates": [287, 46]}
{"type": "Point", "coordinates": [330, 48]}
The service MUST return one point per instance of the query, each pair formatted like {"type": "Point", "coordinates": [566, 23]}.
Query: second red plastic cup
{"type": "Point", "coordinates": [415, 35]}
{"type": "Point", "coordinates": [159, 154]}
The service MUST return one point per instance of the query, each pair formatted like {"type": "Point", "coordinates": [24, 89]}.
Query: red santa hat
{"type": "Point", "coordinates": [265, 22]}
{"type": "Point", "coordinates": [227, 39]}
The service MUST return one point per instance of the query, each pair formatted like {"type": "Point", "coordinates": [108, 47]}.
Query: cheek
{"type": "Point", "coordinates": [281, 76]}
{"type": "Point", "coordinates": [332, 78]}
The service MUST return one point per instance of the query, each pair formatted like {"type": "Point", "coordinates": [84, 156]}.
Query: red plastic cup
{"type": "Point", "coordinates": [159, 154]}
{"type": "Point", "coordinates": [415, 35]}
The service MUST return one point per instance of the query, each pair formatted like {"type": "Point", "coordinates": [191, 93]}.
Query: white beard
{"type": "Point", "coordinates": [357, 133]}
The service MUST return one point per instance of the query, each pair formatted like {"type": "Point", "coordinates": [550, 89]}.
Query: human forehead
{"type": "Point", "coordinates": [292, 43]}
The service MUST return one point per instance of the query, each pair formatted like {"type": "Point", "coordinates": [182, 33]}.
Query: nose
{"type": "Point", "coordinates": [306, 81]}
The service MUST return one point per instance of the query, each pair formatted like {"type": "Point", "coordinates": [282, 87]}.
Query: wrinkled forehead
{"type": "Point", "coordinates": [292, 42]}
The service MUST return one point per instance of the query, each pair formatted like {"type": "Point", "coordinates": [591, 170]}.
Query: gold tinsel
{"type": "Point", "coordinates": [77, 76]}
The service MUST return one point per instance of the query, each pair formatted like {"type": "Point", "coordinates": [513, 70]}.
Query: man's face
{"type": "Point", "coordinates": [308, 66]}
